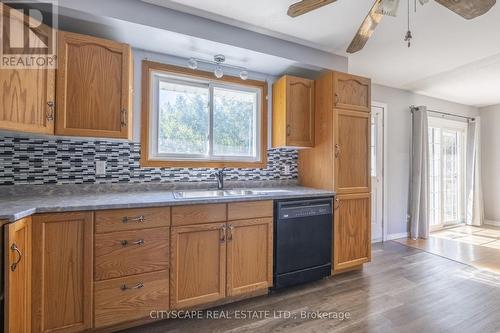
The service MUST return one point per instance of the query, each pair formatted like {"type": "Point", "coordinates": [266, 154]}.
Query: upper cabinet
{"type": "Point", "coordinates": [293, 112]}
{"type": "Point", "coordinates": [27, 95]}
{"type": "Point", "coordinates": [94, 80]}
{"type": "Point", "coordinates": [351, 92]}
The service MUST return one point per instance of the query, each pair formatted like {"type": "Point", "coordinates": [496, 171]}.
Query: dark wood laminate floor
{"type": "Point", "coordinates": [403, 290]}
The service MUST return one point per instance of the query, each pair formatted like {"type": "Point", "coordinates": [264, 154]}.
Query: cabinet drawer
{"type": "Point", "coordinates": [249, 210]}
{"type": "Point", "coordinates": [130, 298]}
{"type": "Point", "coordinates": [130, 219]}
{"type": "Point", "coordinates": [125, 253]}
{"type": "Point", "coordinates": [197, 214]}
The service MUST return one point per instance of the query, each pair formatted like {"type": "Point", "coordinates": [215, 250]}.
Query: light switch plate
{"type": "Point", "coordinates": [100, 168]}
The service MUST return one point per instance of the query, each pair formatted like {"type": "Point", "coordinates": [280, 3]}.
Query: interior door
{"type": "Point", "coordinates": [249, 255]}
{"type": "Point", "coordinates": [198, 264]}
{"type": "Point", "coordinates": [18, 277]}
{"type": "Point", "coordinates": [376, 171]}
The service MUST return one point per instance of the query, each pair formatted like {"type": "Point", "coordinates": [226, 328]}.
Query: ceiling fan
{"type": "Point", "coordinates": [468, 9]}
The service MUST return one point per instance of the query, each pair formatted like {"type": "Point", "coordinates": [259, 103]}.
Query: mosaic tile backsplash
{"type": "Point", "coordinates": [72, 161]}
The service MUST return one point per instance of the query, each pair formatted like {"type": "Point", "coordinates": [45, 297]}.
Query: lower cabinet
{"type": "Point", "coordinates": [18, 277]}
{"type": "Point", "coordinates": [130, 298]}
{"type": "Point", "coordinates": [198, 264]}
{"type": "Point", "coordinates": [351, 230]}
{"type": "Point", "coordinates": [249, 255]}
{"type": "Point", "coordinates": [212, 261]}
{"type": "Point", "coordinates": [62, 272]}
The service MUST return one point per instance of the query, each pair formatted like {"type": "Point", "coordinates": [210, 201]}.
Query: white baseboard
{"type": "Point", "coordinates": [491, 222]}
{"type": "Point", "coordinates": [397, 236]}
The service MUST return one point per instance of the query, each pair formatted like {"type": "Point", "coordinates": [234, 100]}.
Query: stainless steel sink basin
{"type": "Point", "coordinates": [200, 194]}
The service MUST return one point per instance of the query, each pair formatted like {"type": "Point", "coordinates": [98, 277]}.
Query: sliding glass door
{"type": "Point", "coordinates": [446, 172]}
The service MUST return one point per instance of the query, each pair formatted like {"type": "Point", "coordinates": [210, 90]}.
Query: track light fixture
{"type": "Point", "coordinates": [219, 62]}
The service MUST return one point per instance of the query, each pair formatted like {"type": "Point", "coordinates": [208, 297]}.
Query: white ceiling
{"type": "Point", "coordinates": [450, 58]}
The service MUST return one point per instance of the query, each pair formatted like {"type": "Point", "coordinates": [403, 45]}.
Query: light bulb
{"type": "Point", "coordinates": [192, 63]}
{"type": "Point", "coordinates": [244, 75]}
{"type": "Point", "coordinates": [218, 72]}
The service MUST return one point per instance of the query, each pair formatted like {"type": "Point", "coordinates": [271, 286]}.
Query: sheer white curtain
{"type": "Point", "coordinates": [419, 177]}
{"type": "Point", "coordinates": [474, 190]}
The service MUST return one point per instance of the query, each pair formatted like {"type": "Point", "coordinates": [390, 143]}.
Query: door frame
{"type": "Point", "coordinates": [384, 181]}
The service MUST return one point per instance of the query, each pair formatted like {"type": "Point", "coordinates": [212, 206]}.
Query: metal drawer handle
{"type": "Point", "coordinates": [138, 219]}
{"type": "Point", "coordinates": [50, 114]}
{"type": "Point", "coordinates": [339, 202]}
{"type": "Point", "coordinates": [19, 254]}
{"type": "Point", "coordinates": [223, 234]}
{"type": "Point", "coordinates": [230, 233]}
{"type": "Point", "coordinates": [123, 120]}
{"type": "Point", "coordinates": [137, 242]}
{"type": "Point", "coordinates": [288, 130]}
{"type": "Point", "coordinates": [337, 150]}
{"type": "Point", "coordinates": [124, 287]}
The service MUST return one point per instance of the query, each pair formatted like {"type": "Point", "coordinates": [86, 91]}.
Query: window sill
{"type": "Point", "coordinates": [202, 164]}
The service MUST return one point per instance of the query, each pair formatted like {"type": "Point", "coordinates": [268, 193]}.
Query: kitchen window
{"type": "Point", "coordinates": [195, 120]}
{"type": "Point", "coordinates": [446, 171]}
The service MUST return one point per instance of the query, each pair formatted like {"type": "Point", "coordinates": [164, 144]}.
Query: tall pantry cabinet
{"type": "Point", "coordinates": [340, 161]}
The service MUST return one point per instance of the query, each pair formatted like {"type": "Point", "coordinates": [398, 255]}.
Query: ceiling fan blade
{"type": "Point", "coordinates": [366, 29]}
{"type": "Point", "coordinates": [468, 9]}
{"type": "Point", "coordinates": [306, 6]}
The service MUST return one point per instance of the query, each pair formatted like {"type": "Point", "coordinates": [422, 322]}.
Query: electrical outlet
{"type": "Point", "coordinates": [100, 168]}
{"type": "Point", "coordinates": [286, 169]}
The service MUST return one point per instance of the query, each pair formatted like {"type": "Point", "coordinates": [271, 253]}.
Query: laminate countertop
{"type": "Point", "coordinates": [17, 203]}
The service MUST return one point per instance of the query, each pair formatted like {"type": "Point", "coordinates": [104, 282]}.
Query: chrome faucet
{"type": "Point", "coordinates": [219, 175]}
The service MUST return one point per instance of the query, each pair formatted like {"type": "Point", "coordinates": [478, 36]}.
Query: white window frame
{"type": "Point", "coordinates": [154, 155]}
{"type": "Point", "coordinates": [460, 126]}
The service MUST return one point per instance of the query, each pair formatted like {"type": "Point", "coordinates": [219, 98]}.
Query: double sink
{"type": "Point", "coordinates": [200, 194]}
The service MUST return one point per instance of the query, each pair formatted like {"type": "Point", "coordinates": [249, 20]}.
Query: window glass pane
{"type": "Point", "coordinates": [183, 119]}
{"type": "Point", "coordinates": [235, 123]}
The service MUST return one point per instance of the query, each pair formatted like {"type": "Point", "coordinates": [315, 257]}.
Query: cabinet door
{"type": "Point", "coordinates": [300, 112]}
{"type": "Point", "coordinates": [93, 87]}
{"type": "Point", "coordinates": [351, 231]}
{"type": "Point", "coordinates": [27, 95]}
{"type": "Point", "coordinates": [62, 271]}
{"type": "Point", "coordinates": [198, 264]}
{"type": "Point", "coordinates": [352, 151]}
{"type": "Point", "coordinates": [352, 92]}
{"type": "Point", "coordinates": [18, 277]}
{"type": "Point", "coordinates": [249, 255]}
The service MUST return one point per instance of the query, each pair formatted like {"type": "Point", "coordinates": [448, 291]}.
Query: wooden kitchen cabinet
{"type": "Point", "coordinates": [94, 80]}
{"type": "Point", "coordinates": [27, 95]}
{"type": "Point", "coordinates": [249, 255]}
{"type": "Point", "coordinates": [351, 230]}
{"type": "Point", "coordinates": [340, 162]}
{"type": "Point", "coordinates": [62, 271]}
{"type": "Point", "coordinates": [352, 151]}
{"type": "Point", "coordinates": [293, 112]}
{"type": "Point", "coordinates": [198, 264]}
{"type": "Point", "coordinates": [18, 276]}
{"type": "Point", "coordinates": [351, 92]}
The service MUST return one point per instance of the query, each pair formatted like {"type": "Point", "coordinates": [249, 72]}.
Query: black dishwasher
{"type": "Point", "coordinates": [302, 241]}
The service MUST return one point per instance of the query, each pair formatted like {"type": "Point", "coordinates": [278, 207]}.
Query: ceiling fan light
{"type": "Point", "coordinates": [388, 7]}
{"type": "Point", "coordinates": [243, 75]}
{"type": "Point", "coordinates": [192, 63]}
{"type": "Point", "coordinates": [218, 72]}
